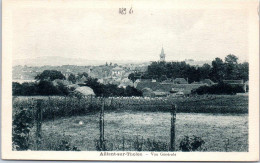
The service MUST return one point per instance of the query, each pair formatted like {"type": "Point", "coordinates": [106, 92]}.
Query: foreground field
{"type": "Point", "coordinates": [220, 132]}
{"type": "Point", "coordinates": [59, 106]}
{"type": "Point", "coordinates": [221, 121]}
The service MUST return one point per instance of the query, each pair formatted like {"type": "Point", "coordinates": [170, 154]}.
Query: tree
{"type": "Point", "coordinates": [204, 71]}
{"type": "Point", "coordinates": [24, 89]}
{"type": "Point", "coordinates": [50, 75]}
{"type": "Point", "coordinates": [62, 89]}
{"type": "Point", "coordinates": [132, 77]}
{"type": "Point", "coordinates": [47, 88]}
{"type": "Point", "coordinates": [131, 91]}
{"type": "Point", "coordinates": [16, 88]}
{"type": "Point", "coordinates": [115, 64]}
{"type": "Point", "coordinates": [243, 71]}
{"type": "Point", "coordinates": [231, 59]}
{"type": "Point", "coordinates": [163, 78]}
{"type": "Point", "coordinates": [231, 67]}
{"type": "Point", "coordinates": [80, 75]}
{"type": "Point", "coordinates": [72, 78]}
{"type": "Point", "coordinates": [29, 89]}
{"type": "Point", "coordinates": [95, 85]}
{"type": "Point", "coordinates": [218, 70]}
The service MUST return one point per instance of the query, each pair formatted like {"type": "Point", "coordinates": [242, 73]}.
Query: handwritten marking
{"type": "Point", "coordinates": [123, 11]}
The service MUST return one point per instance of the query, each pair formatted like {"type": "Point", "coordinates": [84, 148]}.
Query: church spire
{"type": "Point", "coordinates": [162, 55]}
{"type": "Point", "coordinates": [162, 51]}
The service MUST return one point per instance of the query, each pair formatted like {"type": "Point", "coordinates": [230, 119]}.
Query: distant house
{"type": "Point", "coordinates": [208, 82]}
{"type": "Point", "coordinates": [126, 74]}
{"type": "Point", "coordinates": [125, 82]}
{"type": "Point", "coordinates": [179, 88]}
{"type": "Point", "coordinates": [148, 84]}
{"type": "Point", "coordinates": [115, 81]}
{"type": "Point", "coordinates": [85, 91]}
{"type": "Point", "coordinates": [196, 82]}
{"type": "Point", "coordinates": [136, 82]}
{"type": "Point", "coordinates": [233, 81]}
{"type": "Point", "coordinates": [161, 93]}
{"type": "Point", "coordinates": [164, 89]}
{"type": "Point", "coordinates": [180, 81]}
{"type": "Point", "coordinates": [117, 72]}
{"type": "Point", "coordinates": [56, 82]}
{"type": "Point", "coordinates": [148, 92]}
{"type": "Point", "coordinates": [82, 79]}
{"type": "Point", "coordinates": [73, 86]}
{"type": "Point", "coordinates": [146, 80]}
{"type": "Point", "coordinates": [167, 81]}
{"type": "Point", "coordinates": [101, 81]}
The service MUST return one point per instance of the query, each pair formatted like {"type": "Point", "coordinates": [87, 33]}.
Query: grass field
{"type": "Point", "coordinates": [221, 121]}
{"type": "Point", "coordinates": [220, 132]}
{"type": "Point", "coordinates": [64, 106]}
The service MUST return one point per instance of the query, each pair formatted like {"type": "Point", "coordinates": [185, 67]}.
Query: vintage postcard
{"type": "Point", "coordinates": [130, 80]}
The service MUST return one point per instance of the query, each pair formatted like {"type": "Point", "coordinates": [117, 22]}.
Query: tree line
{"type": "Point", "coordinates": [44, 86]}
{"type": "Point", "coordinates": [107, 90]}
{"type": "Point", "coordinates": [219, 70]}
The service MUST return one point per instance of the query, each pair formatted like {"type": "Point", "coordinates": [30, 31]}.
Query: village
{"type": "Point", "coordinates": [131, 102]}
{"type": "Point", "coordinates": [120, 75]}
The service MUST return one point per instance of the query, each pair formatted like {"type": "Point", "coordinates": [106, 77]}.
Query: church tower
{"type": "Point", "coordinates": [162, 56]}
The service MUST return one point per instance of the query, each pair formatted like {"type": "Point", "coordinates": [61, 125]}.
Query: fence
{"type": "Point", "coordinates": [102, 145]}
{"type": "Point", "coordinates": [54, 110]}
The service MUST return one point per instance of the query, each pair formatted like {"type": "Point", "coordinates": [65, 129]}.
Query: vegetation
{"type": "Point", "coordinates": [50, 75]}
{"type": "Point", "coordinates": [150, 131]}
{"type": "Point", "coordinates": [42, 87]}
{"type": "Point", "coordinates": [218, 71]}
{"type": "Point", "coordinates": [220, 88]}
{"type": "Point", "coordinates": [110, 89]}
{"type": "Point", "coordinates": [72, 78]}
{"type": "Point", "coordinates": [79, 116]}
{"type": "Point", "coordinates": [188, 144]}
{"type": "Point", "coordinates": [80, 75]}
{"type": "Point", "coordinates": [57, 107]}
{"type": "Point", "coordinates": [54, 141]}
{"type": "Point", "coordinates": [22, 124]}
{"type": "Point", "coordinates": [47, 88]}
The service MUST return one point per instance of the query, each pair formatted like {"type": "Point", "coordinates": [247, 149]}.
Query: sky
{"type": "Point", "coordinates": [103, 34]}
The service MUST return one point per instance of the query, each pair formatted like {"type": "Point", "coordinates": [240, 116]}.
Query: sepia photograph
{"type": "Point", "coordinates": [130, 80]}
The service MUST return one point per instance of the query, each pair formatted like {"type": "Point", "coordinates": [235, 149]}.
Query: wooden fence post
{"type": "Point", "coordinates": [38, 123]}
{"type": "Point", "coordinates": [111, 103]}
{"type": "Point", "coordinates": [173, 119]}
{"type": "Point", "coordinates": [91, 100]}
{"type": "Point", "coordinates": [123, 143]}
{"type": "Point", "coordinates": [101, 126]}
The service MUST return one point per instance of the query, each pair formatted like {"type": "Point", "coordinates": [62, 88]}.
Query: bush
{"type": "Point", "coordinates": [220, 88]}
{"type": "Point", "coordinates": [22, 124]}
{"type": "Point", "coordinates": [25, 89]}
{"type": "Point", "coordinates": [131, 91]}
{"type": "Point", "coordinates": [191, 143]}
{"type": "Point", "coordinates": [47, 88]}
{"type": "Point", "coordinates": [111, 89]}
{"type": "Point", "coordinates": [54, 142]}
{"type": "Point", "coordinates": [44, 87]}
{"type": "Point", "coordinates": [50, 75]}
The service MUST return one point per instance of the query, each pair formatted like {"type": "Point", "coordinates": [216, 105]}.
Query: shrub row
{"type": "Point", "coordinates": [43, 87]}
{"type": "Point", "coordinates": [221, 88]}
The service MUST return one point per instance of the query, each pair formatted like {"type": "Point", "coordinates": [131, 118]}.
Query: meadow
{"type": "Point", "coordinates": [221, 121]}
{"type": "Point", "coordinates": [220, 132]}
{"type": "Point", "coordinates": [61, 106]}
